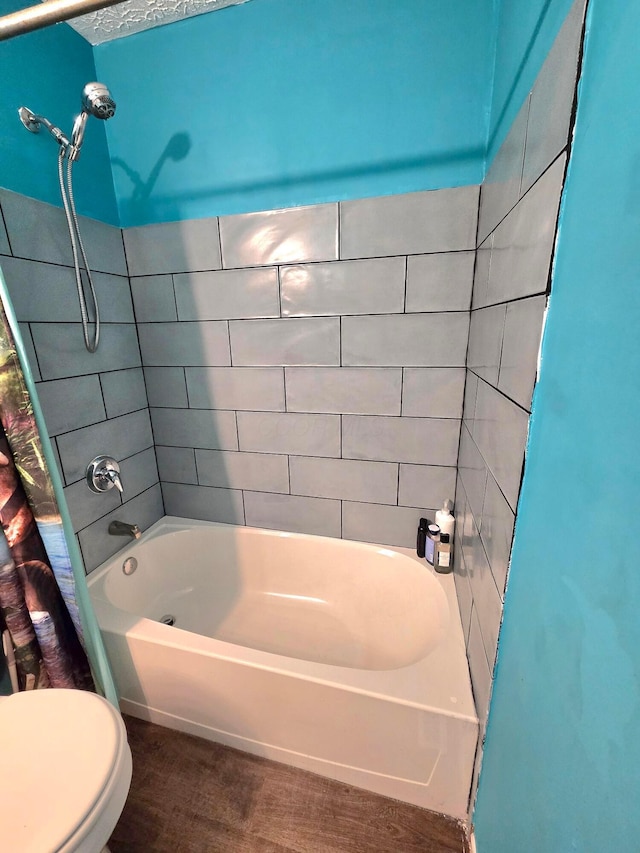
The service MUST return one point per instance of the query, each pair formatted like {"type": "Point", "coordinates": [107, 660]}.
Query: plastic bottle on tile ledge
{"type": "Point", "coordinates": [442, 562]}
{"type": "Point", "coordinates": [445, 520]}
{"type": "Point", "coordinates": [422, 537]}
{"type": "Point", "coordinates": [433, 534]}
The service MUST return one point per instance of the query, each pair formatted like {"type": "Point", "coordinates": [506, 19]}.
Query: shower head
{"type": "Point", "coordinates": [96, 101]}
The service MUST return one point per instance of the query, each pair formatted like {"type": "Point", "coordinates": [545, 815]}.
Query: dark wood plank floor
{"type": "Point", "coordinates": [192, 796]}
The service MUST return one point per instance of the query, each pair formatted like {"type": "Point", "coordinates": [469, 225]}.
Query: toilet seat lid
{"type": "Point", "coordinates": [59, 749]}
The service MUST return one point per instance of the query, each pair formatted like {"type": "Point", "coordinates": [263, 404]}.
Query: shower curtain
{"type": "Point", "coordinates": [39, 618]}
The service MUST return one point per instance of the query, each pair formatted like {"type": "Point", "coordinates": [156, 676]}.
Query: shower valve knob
{"type": "Point", "coordinates": [103, 473]}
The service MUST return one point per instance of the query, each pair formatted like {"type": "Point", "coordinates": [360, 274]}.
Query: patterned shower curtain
{"type": "Point", "coordinates": [39, 618]}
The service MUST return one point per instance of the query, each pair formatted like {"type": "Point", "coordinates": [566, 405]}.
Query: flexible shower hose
{"type": "Point", "coordinates": [76, 240]}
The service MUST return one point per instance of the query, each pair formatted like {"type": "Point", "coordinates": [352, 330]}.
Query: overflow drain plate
{"type": "Point", "coordinates": [130, 565]}
{"type": "Point", "coordinates": [168, 619]}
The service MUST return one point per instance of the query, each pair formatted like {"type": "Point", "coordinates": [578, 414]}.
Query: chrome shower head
{"type": "Point", "coordinates": [97, 100]}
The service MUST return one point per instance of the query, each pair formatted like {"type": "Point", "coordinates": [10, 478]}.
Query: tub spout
{"type": "Point", "coordinates": [121, 528]}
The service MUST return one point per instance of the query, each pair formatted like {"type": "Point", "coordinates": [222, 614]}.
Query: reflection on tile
{"type": "Point", "coordinates": [440, 282]}
{"type": "Point", "coordinates": [348, 479]}
{"type": "Point", "coordinates": [501, 188]}
{"type": "Point", "coordinates": [203, 502]}
{"type": "Point", "coordinates": [344, 287]}
{"type": "Point", "coordinates": [153, 298]}
{"type": "Point", "coordinates": [487, 601]}
{"type": "Point", "coordinates": [259, 472]}
{"type": "Point", "coordinates": [253, 388]}
{"type": "Point", "coordinates": [523, 242]}
{"type": "Point", "coordinates": [176, 464]}
{"type": "Point", "coordinates": [280, 236]}
{"type": "Point", "coordinates": [71, 403]}
{"type": "Point", "coordinates": [124, 391]}
{"type": "Point", "coordinates": [85, 506]}
{"type": "Point", "coordinates": [518, 365]}
{"type": "Point", "coordinates": [426, 485]}
{"type": "Point", "coordinates": [482, 272]}
{"type": "Point", "coordinates": [227, 294]}
{"type": "Point", "coordinates": [552, 98]}
{"type": "Point", "coordinates": [470, 393]}
{"type": "Point", "coordinates": [497, 532]}
{"type": "Point", "coordinates": [173, 247]}
{"type": "Point", "coordinates": [433, 392]}
{"type": "Point", "coordinates": [180, 344]}
{"type": "Point", "coordinates": [413, 223]}
{"type": "Point", "coordinates": [138, 473]}
{"type": "Point", "coordinates": [383, 525]}
{"type": "Point", "coordinates": [61, 350]}
{"type": "Point", "coordinates": [286, 341]}
{"type": "Point", "coordinates": [427, 441]}
{"type": "Point", "coordinates": [473, 473]}
{"type": "Point", "coordinates": [344, 390]}
{"type": "Point", "coordinates": [299, 435]}
{"type": "Point", "coordinates": [420, 340]}
{"type": "Point", "coordinates": [315, 516]}
{"type": "Point", "coordinates": [479, 668]}
{"type": "Point", "coordinates": [166, 386]}
{"type": "Point", "coordinates": [195, 428]}
{"type": "Point", "coordinates": [485, 342]}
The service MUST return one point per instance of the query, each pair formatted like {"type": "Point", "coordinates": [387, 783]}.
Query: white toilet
{"type": "Point", "coordinates": [66, 771]}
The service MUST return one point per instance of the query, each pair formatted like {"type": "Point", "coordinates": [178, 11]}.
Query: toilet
{"type": "Point", "coordinates": [66, 771]}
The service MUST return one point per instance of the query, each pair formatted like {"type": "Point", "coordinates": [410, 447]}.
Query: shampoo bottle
{"type": "Point", "coordinates": [445, 520]}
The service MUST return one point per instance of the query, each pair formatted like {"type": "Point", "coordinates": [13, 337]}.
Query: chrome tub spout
{"type": "Point", "coordinates": [121, 528]}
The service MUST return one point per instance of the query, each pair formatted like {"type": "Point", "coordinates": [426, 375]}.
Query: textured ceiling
{"type": "Point", "coordinates": [132, 16]}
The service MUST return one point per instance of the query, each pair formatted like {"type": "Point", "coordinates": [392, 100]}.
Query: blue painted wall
{"type": "Point", "coordinates": [46, 71]}
{"type": "Point", "coordinates": [279, 103]}
{"type": "Point", "coordinates": [526, 30]}
{"type": "Point", "coordinates": [561, 763]}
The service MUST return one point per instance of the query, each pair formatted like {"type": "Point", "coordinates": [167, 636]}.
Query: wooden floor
{"type": "Point", "coordinates": [192, 796]}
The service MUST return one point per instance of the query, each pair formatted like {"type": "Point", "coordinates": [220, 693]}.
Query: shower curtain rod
{"type": "Point", "coordinates": [45, 14]}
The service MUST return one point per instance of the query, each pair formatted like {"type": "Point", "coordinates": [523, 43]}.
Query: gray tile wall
{"type": "Point", "coordinates": [307, 373]}
{"type": "Point", "coordinates": [93, 403]}
{"type": "Point", "coordinates": [519, 203]}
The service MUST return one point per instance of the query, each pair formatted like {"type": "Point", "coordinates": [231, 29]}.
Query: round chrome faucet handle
{"type": "Point", "coordinates": [103, 473]}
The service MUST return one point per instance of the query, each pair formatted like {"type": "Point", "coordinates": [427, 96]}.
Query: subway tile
{"type": "Point", "coordinates": [176, 464]}
{"type": "Point", "coordinates": [416, 340]}
{"type": "Point", "coordinates": [314, 516]}
{"type": "Point", "coordinates": [184, 344]}
{"type": "Point", "coordinates": [86, 506]}
{"type": "Point", "coordinates": [227, 294]}
{"type": "Point", "coordinates": [32, 361]}
{"type": "Point", "coordinates": [343, 287]}
{"type": "Point", "coordinates": [500, 432]}
{"type": "Point", "coordinates": [259, 472]}
{"type": "Point", "coordinates": [168, 247]}
{"type": "Point", "coordinates": [103, 245]}
{"type": "Point", "coordinates": [409, 224]}
{"type": "Point", "coordinates": [166, 386]}
{"type": "Point", "coordinates": [519, 362]}
{"type": "Point", "coordinates": [114, 298]}
{"type": "Point", "coordinates": [5, 248]}
{"type": "Point", "coordinates": [440, 282]}
{"type": "Point", "coordinates": [486, 598]}
{"type": "Point", "coordinates": [497, 532]}
{"type": "Point", "coordinates": [153, 298]}
{"type": "Point", "coordinates": [481, 273]}
{"type": "Point", "coordinates": [344, 390]}
{"type": "Point", "coordinates": [433, 392]}
{"type": "Point", "coordinates": [473, 473]}
{"type": "Point", "coordinates": [346, 479]}
{"type": "Point", "coordinates": [118, 437]}
{"type": "Point", "coordinates": [485, 342]}
{"type": "Point", "coordinates": [71, 403]}
{"type": "Point", "coordinates": [501, 187]}
{"type": "Point", "coordinates": [523, 242]}
{"type": "Point", "coordinates": [383, 525]}
{"type": "Point", "coordinates": [280, 236]}
{"type": "Point", "coordinates": [552, 98]}
{"type": "Point", "coordinates": [252, 388]}
{"type": "Point", "coordinates": [138, 473]}
{"type": "Point", "coordinates": [203, 502]}
{"type": "Point", "coordinates": [312, 341]}
{"type": "Point", "coordinates": [426, 441]}
{"type": "Point", "coordinates": [36, 230]}
{"type": "Point", "coordinates": [296, 434]}
{"type": "Point", "coordinates": [214, 430]}
{"type": "Point", "coordinates": [470, 394]}
{"type": "Point", "coordinates": [460, 574]}
{"type": "Point", "coordinates": [97, 544]}
{"type": "Point", "coordinates": [479, 669]}
{"type": "Point", "coordinates": [426, 485]}
{"type": "Point", "coordinates": [62, 353]}
{"type": "Point", "coordinates": [124, 391]}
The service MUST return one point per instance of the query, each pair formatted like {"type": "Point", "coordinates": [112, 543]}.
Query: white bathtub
{"type": "Point", "coordinates": [339, 657]}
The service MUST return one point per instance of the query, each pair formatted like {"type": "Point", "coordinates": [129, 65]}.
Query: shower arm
{"type": "Point", "coordinates": [45, 14]}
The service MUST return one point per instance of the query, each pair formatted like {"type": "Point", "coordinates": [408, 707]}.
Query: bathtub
{"type": "Point", "coordinates": [343, 658]}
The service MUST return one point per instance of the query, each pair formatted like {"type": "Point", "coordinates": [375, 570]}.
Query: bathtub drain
{"type": "Point", "coordinates": [168, 619]}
